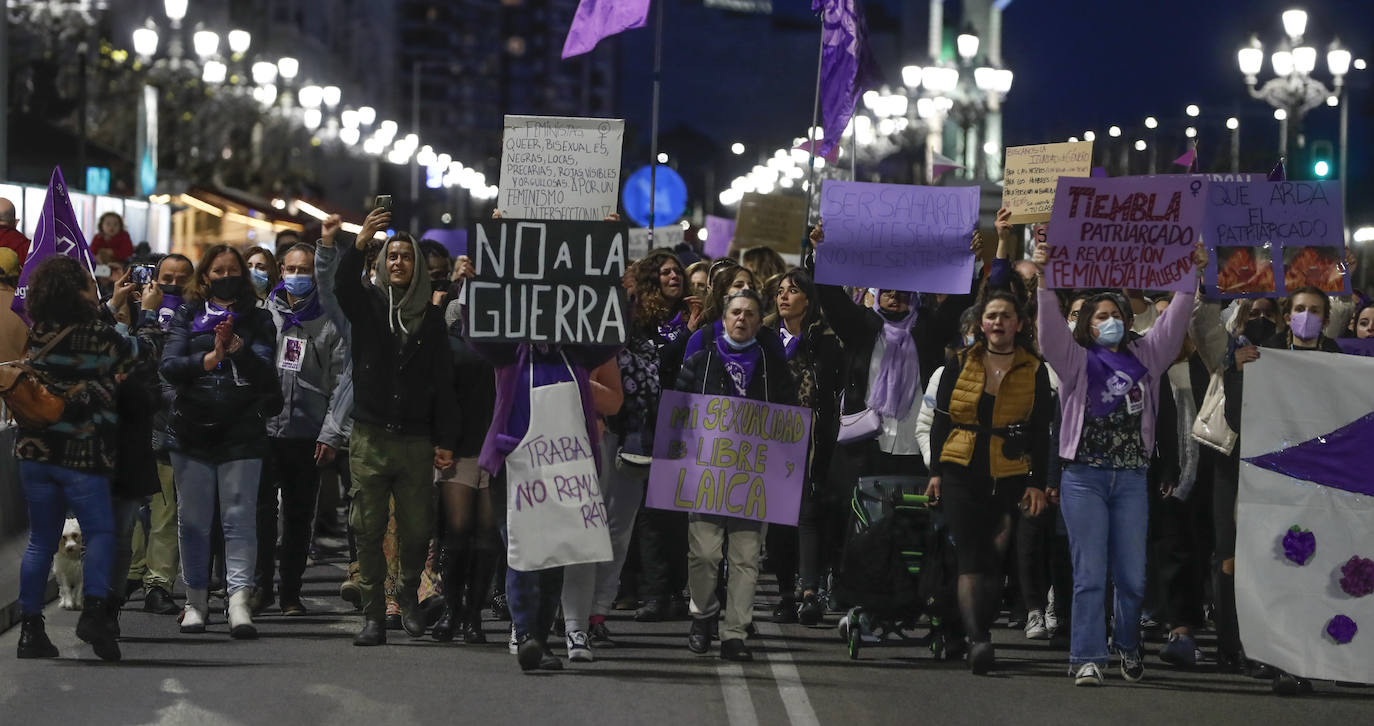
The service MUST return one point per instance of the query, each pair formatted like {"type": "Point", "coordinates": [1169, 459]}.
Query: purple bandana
{"type": "Point", "coordinates": [167, 309]}
{"type": "Point", "coordinates": [1110, 377]}
{"type": "Point", "coordinates": [308, 311]}
{"type": "Point", "coordinates": [670, 330]}
{"type": "Point", "coordinates": [211, 317]}
{"type": "Point", "coordinates": [739, 364]}
{"type": "Point", "coordinates": [790, 342]}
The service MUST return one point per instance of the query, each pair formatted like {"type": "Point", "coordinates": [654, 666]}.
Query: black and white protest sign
{"type": "Point", "coordinates": [548, 282]}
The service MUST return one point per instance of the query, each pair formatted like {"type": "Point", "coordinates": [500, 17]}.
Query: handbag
{"type": "Point", "coordinates": [858, 426]}
{"type": "Point", "coordinates": [33, 404]}
{"type": "Point", "coordinates": [1210, 427]}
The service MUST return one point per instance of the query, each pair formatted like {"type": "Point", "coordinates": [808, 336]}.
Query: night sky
{"type": "Point", "coordinates": [1079, 65]}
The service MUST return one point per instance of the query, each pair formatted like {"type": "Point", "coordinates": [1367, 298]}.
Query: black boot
{"type": "Point", "coordinates": [455, 566]}
{"type": "Point", "coordinates": [373, 633]}
{"type": "Point", "coordinates": [115, 605]}
{"type": "Point", "coordinates": [94, 627]}
{"type": "Point", "coordinates": [483, 563]}
{"type": "Point", "coordinates": [33, 638]}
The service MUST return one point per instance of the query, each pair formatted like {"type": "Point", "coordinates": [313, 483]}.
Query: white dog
{"type": "Point", "coordinates": [66, 566]}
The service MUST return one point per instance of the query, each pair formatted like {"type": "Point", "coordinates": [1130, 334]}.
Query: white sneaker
{"type": "Point", "coordinates": [514, 645]}
{"type": "Point", "coordinates": [1051, 617]}
{"type": "Point", "coordinates": [1035, 626]}
{"type": "Point", "coordinates": [579, 647]}
{"type": "Point", "coordinates": [192, 617]}
{"type": "Point", "coordinates": [1088, 675]}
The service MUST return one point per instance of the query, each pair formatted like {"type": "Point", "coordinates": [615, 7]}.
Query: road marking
{"type": "Point", "coordinates": [739, 707]}
{"type": "Point", "coordinates": [790, 687]}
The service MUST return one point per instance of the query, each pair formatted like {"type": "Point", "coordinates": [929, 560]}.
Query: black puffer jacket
{"type": "Point", "coordinates": [221, 415]}
{"type": "Point", "coordinates": [704, 372]}
{"type": "Point", "coordinates": [818, 373]}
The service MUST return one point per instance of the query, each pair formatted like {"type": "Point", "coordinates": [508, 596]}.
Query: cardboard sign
{"type": "Point", "coordinates": [1271, 238]}
{"type": "Point", "coordinates": [1032, 173]}
{"type": "Point", "coordinates": [772, 220]}
{"type": "Point", "coordinates": [670, 236]}
{"type": "Point", "coordinates": [897, 236]}
{"type": "Point", "coordinates": [720, 231]}
{"type": "Point", "coordinates": [1125, 232]}
{"type": "Point", "coordinates": [728, 456]}
{"type": "Point", "coordinates": [560, 168]}
{"type": "Point", "coordinates": [548, 282]}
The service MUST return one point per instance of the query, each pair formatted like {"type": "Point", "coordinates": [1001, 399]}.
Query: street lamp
{"type": "Point", "coordinates": [288, 67]}
{"type": "Point", "coordinates": [1192, 110]}
{"type": "Point", "coordinates": [737, 148]}
{"type": "Point", "coordinates": [1233, 124]}
{"type": "Point", "coordinates": [1293, 90]}
{"type": "Point", "coordinates": [239, 41]}
{"type": "Point", "coordinates": [205, 43]}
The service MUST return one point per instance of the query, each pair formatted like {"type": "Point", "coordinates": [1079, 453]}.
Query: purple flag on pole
{"type": "Point", "coordinates": [598, 19]}
{"type": "Point", "coordinates": [1189, 159]}
{"type": "Point", "coordinates": [1278, 173]}
{"type": "Point", "coordinates": [57, 234]}
{"type": "Point", "coordinates": [847, 67]}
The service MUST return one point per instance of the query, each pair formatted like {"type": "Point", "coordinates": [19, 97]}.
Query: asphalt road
{"type": "Point", "coordinates": [304, 671]}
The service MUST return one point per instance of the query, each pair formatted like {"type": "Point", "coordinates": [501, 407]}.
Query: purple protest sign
{"type": "Point", "coordinates": [453, 240]}
{"type": "Point", "coordinates": [728, 456]}
{"type": "Point", "coordinates": [57, 234]}
{"type": "Point", "coordinates": [719, 232]}
{"type": "Point", "coordinates": [1125, 232]}
{"type": "Point", "coordinates": [897, 236]}
{"type": "Point", "coordinates": [1272, 237]}
{"type": "Point", "coordinates": [1357, 346]}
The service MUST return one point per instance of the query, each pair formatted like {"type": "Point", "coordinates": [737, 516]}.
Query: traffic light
{"type": "Point", "coordinates": [1323, 163]}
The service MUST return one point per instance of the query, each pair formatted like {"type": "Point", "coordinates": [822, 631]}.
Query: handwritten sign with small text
{"type": "Point", "coordinates": [1032, 172]}
{"type": "Point", "coordinates": [772, 220]}
{"type": "Point", "coordinates": [560, 168]}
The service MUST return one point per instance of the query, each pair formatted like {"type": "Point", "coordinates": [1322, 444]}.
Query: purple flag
{"type": "Point", "coordinates": [1278, 173]}
{"type": "Point", "coordinates": [847, 67]}
{"type": "Point", "coordinates": [57, 234]}
{"type": "Point", "coordinates": [1327, 459]}
{"type": "Point", "coordinates": [939, 164]}
{"type": "Point", "coordinates": [598, 19]}
{"type": "Point", "coordinates": [1189, 159]}
{"type": "Point", "coordinates": [720, 232]}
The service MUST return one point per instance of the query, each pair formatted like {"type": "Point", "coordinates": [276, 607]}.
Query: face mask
{"type": "Point", "coordinates": [226, 288]}
{"type": "Point", "coordinates": [1109, 332]}
{"type": "Point", "coordinates": [969, 340]}
{"type": "Point", "coordinates": [259, 278]}
{"type": "Point", "coordinates": [298, 285]}
{"type": "Point", "coordinates": [1306, 325]}
{"type": "Point", "coordinates": [438, 285]}
{"type": "Point", "coordinates": [174, 290]}
{"type": "Point", "coordinates": [1072, 324]}
{"type": "Point", "coordinates": [1259, 330]}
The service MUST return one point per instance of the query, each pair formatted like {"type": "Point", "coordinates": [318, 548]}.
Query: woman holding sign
{"type": "Point", "coordinates": [989, 445]}
{"type": "Point", "coordinates": [1108, 397]}
{"type": "Point", "coordinates": [734, 364]}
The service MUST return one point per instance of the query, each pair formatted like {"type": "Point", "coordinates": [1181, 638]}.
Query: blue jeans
{"type": "Point", "coordinates": [233, 486]}
{"type": "Point", "coordinates": [1107, 513]}
{"type": "Point", "coordinates": [50, 490]}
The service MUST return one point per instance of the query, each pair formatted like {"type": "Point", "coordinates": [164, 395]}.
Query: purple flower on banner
{"type": "Point", "coordinates": [1342, 629]}
{"type": "Point", "coordinates": [1357, 576]}
{"type": "Point", "coordinates": [1298, 545]}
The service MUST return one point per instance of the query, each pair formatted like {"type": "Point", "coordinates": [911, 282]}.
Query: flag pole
{"type": "Point", "coordinates": [815, 121]}
{"type": "Point", "coordinates": [653, 131]}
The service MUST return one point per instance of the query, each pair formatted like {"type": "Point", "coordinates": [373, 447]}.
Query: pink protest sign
{"type": "Point", "coordinates": [1125, 232]}
{"type": "Point", "coordinates": [733, 457]}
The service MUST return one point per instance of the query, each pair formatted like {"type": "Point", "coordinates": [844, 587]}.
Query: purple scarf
{"type": "Point", "coordinates": [211, 317]}
{"type": "Point", "coordinates": [670, 330]}
{"type": "Point", "coordinates": [1110, 377]}
{"type": "Point", "coordinates": [291, 317]}
{"type": "Point", "coordinates": [791, 344]}
{"type": "Point", "coordinates": [167, 309]}
{"type": "Point", "coordinates": [895, 389]}
{"type": "Point", "coordinates": [739, 364]}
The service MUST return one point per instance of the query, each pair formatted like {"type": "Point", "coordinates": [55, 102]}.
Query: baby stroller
{"type": "Point", "coordinates": [898, 566]}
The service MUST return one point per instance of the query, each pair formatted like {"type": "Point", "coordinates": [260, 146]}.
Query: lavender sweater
{"type": "Point", "coordinates": [1156, 351]}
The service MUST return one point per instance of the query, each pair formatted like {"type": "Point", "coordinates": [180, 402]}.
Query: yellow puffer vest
{"type": "Point", "coordinates": [1015, 399]}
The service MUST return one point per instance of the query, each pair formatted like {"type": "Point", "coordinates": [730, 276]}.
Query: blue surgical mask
{"type": "Point", "coordinates": [259, 278]}
{"type": "Point", "coordinates": [298, 285]}
{"type": "Point", "coordinates": [969, 340]}
{"type": "Point", "coordinates": [1109, 332]}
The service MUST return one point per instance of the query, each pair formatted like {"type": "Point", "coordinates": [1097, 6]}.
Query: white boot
{"type": "Point", "coordinates": [241, 616]}
{"type": "Point", "coordinates": [192, 618]}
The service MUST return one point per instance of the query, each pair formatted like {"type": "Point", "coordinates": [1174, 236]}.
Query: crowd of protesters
{"type": "Point", "coordinates": [1049, 428]}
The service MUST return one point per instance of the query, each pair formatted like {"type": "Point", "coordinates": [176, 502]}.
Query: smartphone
{"type": "Point", "coordinates": [383, 202]}
{"type": "Point", "coordinates": [142, 274]}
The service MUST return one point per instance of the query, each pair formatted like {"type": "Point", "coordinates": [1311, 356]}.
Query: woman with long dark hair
{"type": "Point", "coordinates": [989, 446]}
{"type": "Point", "coordinates": [219, 356]}
{"type": "Point", "coordinates": [815, 358]}
{"type": "Point", "coordinates": [68, 464]}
